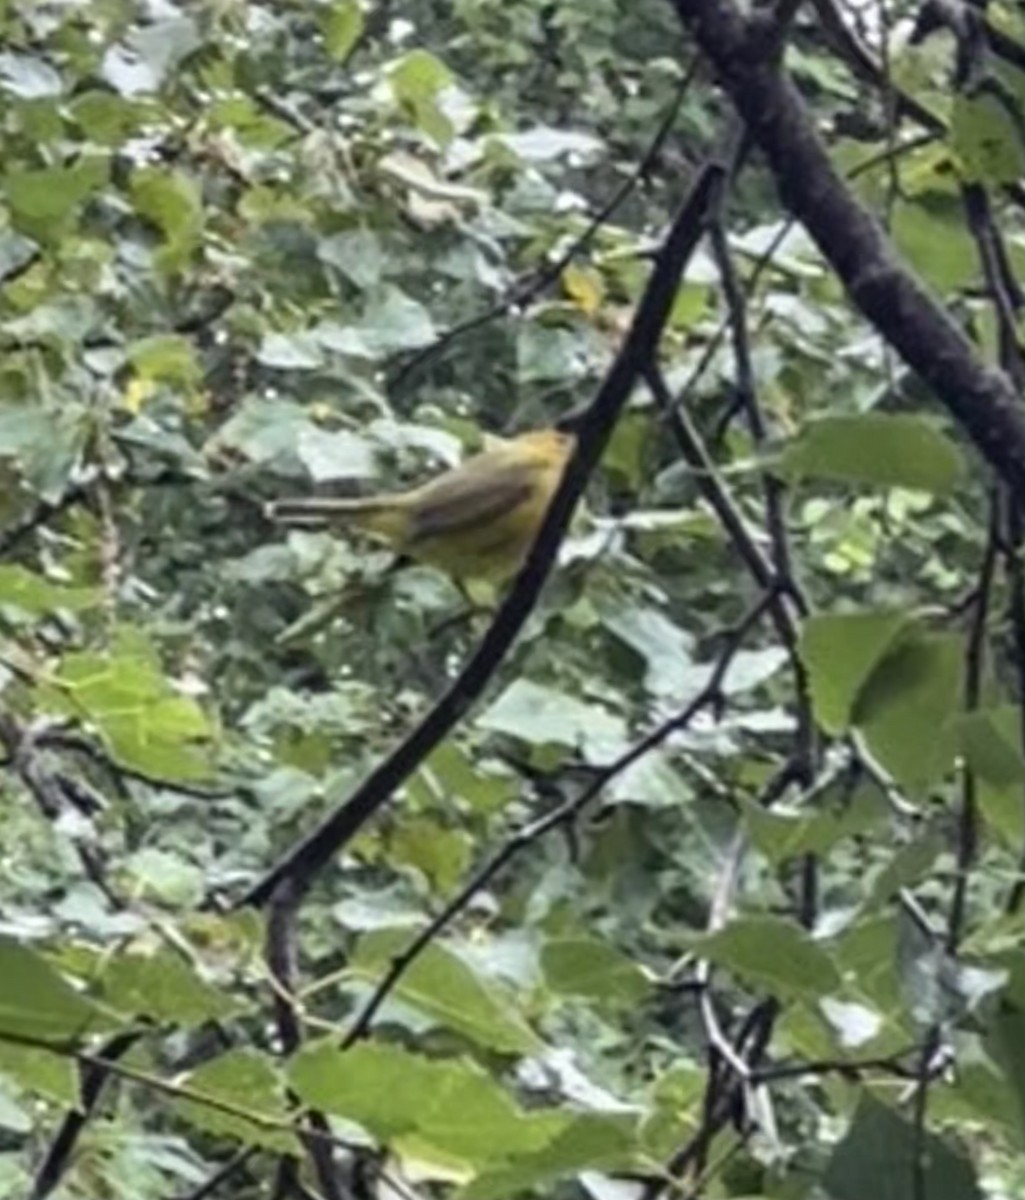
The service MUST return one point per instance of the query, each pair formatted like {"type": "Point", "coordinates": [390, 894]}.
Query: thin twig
{"type": "Point", "coordinates": [968, 817]}
{"type": "Point", "coordinates": [311, 1126]}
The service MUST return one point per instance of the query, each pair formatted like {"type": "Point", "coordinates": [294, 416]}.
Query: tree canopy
{"type": "Point", "coordinates": [691, 864]}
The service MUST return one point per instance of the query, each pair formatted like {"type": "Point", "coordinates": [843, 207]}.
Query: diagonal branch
{"type": "Point", "coordinates": [302, 862]}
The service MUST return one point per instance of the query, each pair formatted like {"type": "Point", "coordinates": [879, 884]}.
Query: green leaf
{"type": "Point", "coordinates": [43, 200]}
{"type": "Point", "coordinates": [543, 716]}
{"type": "Point", "coordinates": [416, 80]}
{"type": "Point", "coordinates": [47, 445]}
{"type": "Point", "coordinates": [990, 741]}
{"type": "Point", "coordinates": [932, 234]}
{"type": "Point", "coordinates": [357, 254]}
{"type": "Point", "coordinates": [146, 722]}
{"type": "Point", "coordinates": [28, 76]}
{"type": "Point", "coordinates": [104, 117]}
{"type": "Point", "coordinates": [453, 1105]}
{"type": "Point", "coordinates": [263, 430]}
{"type": "Point", "coordinates": [150, 53]}
{"type": "Point", "coordinates": [393, 321]}
{"type": "Point", "coordinates": [665, 648]}
{"type": "Point", "coordinates": [589, 1142]}
{"type": "Point", "coordinates": [14, 1116]}
{"type": "Point", "coordinates": [16, 252]}
{"type": "Point", "coordinates": [840, 652]}
{"type": "Point", "coordinates": [878, 1158]}
{"type": "Point", "coordinates": [342, 25]}
{"type": "Point", "coordinates": [442, 855]}
{"type": "Point", "coordinates": [451, 771]}
{"type": "Point", "coordinates": [247, 1101]}
{"type": "Point", "coordinates": [904, 708]}
{"type": "Point", "coordinates": [782, 836]}
{"type": "Point", "coordinates": [445, 987]}
{"type": "Point", "coordinates": [772, 953]}
{"type": "Point", "coordinates": [382, 1087]}
{"type": "Point", "coordinates": [163, 986]}
{"type": "Point", "coordinates": [986, 135]}
{"type": "Point", "coordinates": [290, 352]}
{"type": "Point", "coordinates": [544, 143]}
{"type": "Point", "coordinates": [878, 450]}
{"type": "Point", "coordinates": [172, 202]}
{"type": "Point", "coordinates": [166, 877]}
{"type": "Point", "coordinates": [52, 1076]}
{"type": "Point", "coordinates": [23, 589]}
{"type": "Point", "coordinates": [593, 969]}
{"type": "Point", "coordinates": [908, 865]}
{"type": "Point", "coordinates": [550, 355]}
{"type": "Point", "coordinates": [1005, 1043]}
{"type": "Point", "coordinates": [37, 1002]}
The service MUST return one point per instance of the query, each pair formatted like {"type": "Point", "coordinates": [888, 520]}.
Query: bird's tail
{"type": "Point", "coordinates": [380, 514]}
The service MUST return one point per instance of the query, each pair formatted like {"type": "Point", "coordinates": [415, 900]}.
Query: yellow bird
{"type": "Point", "coordinates": [476, 521]}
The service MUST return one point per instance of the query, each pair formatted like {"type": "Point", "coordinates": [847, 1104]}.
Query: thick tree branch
{"type": "Point", "coordinates": [909, 317]}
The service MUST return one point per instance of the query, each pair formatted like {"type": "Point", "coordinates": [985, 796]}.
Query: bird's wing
{"type": "Point", "coordinates": [477, 494]}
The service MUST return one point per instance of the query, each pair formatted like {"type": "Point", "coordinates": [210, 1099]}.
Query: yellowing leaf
{"type": "Point", "coordinates": [584, 287]}
{"type": "Point", "coordinates": [137, 393]}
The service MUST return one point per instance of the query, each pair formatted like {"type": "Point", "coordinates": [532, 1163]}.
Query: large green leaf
{"type": "Point", "coordinates": [447, 988]}
{"type": "Point", "coordinates": [147, 722]}
{"type": "Point", "coordinates": [342, 23]}
{"type": "Point", "coordinates": [990, 740]}
{"type": "Point", "coordinates": [37, 1002]}
{"type": "Point", "coordinates": [907, 703]}
{"type": "Point", "coordinates": [453, 1105]}
{"type": "Point", "coordinates": [774, 954]}
{"type": "Point", "coordinates": [591, 968]}
{"type": "Point", "coordinates": [240, 1094]}
{"type": "Point", "coordinates": [24, 589]}
{"type": "Point", "coordinates": [875, 449]}
{"type": "Point", "coordinates": [589, 1142]}
{"type": "Point", "coordinates": [163, 986]}
{"type": "Point", "coordinates": [930, 231]}
{"type": "Point", "coordinates": [542, 716]}
{"type": "Point", "coordinates": [43, 200]}
{"type": "Point", "coordinates": [841, 651]}
{"type": "Point", "coordinates": [416, 80]}
{"type": "Point", "coordinates": [881, 1154]}
{"type": "Point", "coordinates": [986, 135]}
{"type": "Point", "coordinates": [171, 201]}
{"type": "Point", "coordinates": [782, 835]}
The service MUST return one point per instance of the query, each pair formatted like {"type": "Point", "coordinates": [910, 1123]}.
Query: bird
{"type": "Point", "coordinates": [476, 521]}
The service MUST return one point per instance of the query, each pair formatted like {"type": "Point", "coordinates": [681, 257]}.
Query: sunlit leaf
{"type": "Point", "coordinates": [342, 24]}
{"type": "Point", "coordinates": [239, 1095]}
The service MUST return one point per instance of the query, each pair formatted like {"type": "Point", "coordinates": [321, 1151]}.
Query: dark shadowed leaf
{"type": "Point", "coordinates": [878, 1158]}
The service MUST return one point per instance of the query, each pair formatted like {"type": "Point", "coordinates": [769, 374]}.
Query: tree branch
{"type": "Point", "coordinates": [911, 319]}
{"type": "Point", "coordinates": [306, 858]}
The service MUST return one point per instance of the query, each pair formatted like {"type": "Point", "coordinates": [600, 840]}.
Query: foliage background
{"type": "Point", "coordinates": [249, 249]}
